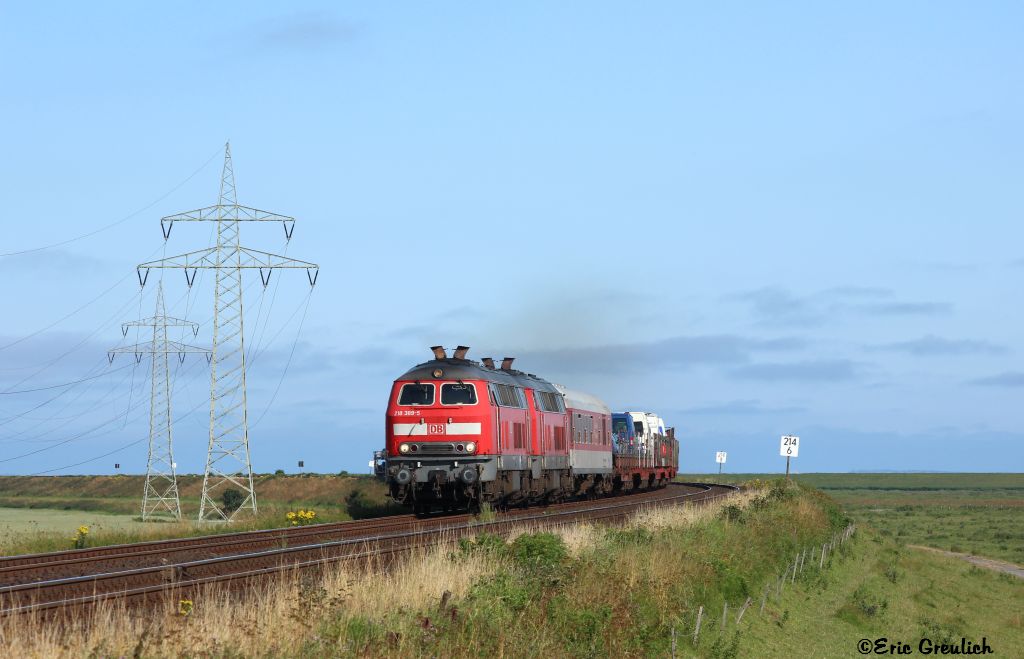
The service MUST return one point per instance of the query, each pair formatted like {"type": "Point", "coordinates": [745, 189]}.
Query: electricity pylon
{"type": "Point", "coordinates": [227, 459]}
{"type": "Point", "coordinates": [161, 493]}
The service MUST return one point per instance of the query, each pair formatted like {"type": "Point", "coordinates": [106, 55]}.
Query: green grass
{"type": "Point", "coordinates": [885, 590]}
{"type": "Point", "coordinates": [886, 481]}
{"type": "Point", "coordinates": [19, 523]}
{"type": "Point", "coordinates": [38, 514]}
{"type": "Point", "coordinates": [981, 514]}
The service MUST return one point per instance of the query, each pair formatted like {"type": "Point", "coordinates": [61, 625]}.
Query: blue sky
{"type": "Point", "coordinates": [752, 219]}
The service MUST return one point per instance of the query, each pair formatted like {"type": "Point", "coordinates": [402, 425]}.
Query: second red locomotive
{"type": "Point", "coordinates": [461, 432]}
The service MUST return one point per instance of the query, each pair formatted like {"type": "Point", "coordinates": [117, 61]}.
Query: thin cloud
{"type": "Point", "coordinates": [933, 346]}
{"type": "Point", "coordinates": [907, 309]}
{"type": "Point", "coordinates": [740, 408]}
{"type": "Point", "coordinates": [949, 266]}
{"type": "Point", "coordinates": [54, 262]}
{"type": "Point", "coordinates": [806, 371]}
{"type": "Point", "coordinates": [857, 292]}
{"type": "Point", "coordinates": [1005, 379]}
{"type": "Point", "coordinates": [775, 305]}
{"type": "Point", "coordinates": [306, 31]}
{"type": "Point", "coordinates": [677, 352]}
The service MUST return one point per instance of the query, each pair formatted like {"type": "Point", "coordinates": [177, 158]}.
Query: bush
{"type": "Point", "coordinates": [279, 472]}
{"type": "Point", "coordinates": [232, 499]}
{"type": "Point", "coordinates": [485, 543]}
{"type": "Point", "coordinates": [625, 537]}
{"type": "Point", "coordinates": [726, 649]}
{"type": "Point", "coordinates": [732, 513]}
{"type": "Point", "coordinates": [503, 591]}
{"type": "Point", "coordinates": [868, 603]}
{"type": "Point", "coordinates": [541, 551]}
{"type": "Point", "coordinates": [584, 627]}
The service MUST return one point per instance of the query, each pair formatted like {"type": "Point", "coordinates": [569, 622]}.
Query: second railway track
{"type": "Point", "coordinates": [144, 571]}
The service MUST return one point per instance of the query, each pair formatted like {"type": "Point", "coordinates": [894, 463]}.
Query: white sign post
{"type": "Point", "coordinates": [720, 459]}
{"type": "Point", "coordinates": [789, 447]}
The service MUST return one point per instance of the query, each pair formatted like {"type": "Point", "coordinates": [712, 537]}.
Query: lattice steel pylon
{"type": "Point", "coordinates": [228, 461]}
{"type": "Point", "coordinates": [161, 491]}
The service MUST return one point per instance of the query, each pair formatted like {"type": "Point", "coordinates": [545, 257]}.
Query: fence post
{"type": "Point", "coordinates": [673, 642]}
{"type": "Point", "coordinates": [742, 611]}
{"type": "Point", "coordinates": [793, 580]}
{"type": "Point", "coordinates": [821, 563]}
{"type": "Point", "coordinates": [696, 630]}
{"type": "Point", "coordinates": [725, 612]}
{"type": "Point", "coordinates": [764, 597]}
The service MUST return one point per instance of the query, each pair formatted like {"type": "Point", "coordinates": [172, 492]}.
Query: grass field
{"type": "Point", "coordinates": [980, 514]}
{"type": "Point", "coordinates": [40, 514]}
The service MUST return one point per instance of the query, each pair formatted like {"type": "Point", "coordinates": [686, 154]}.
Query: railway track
{"type": "Point", "coordinates": [145, 572]}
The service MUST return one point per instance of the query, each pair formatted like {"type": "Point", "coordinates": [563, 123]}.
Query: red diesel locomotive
{"type": "Point", "coordinates": [460, 433]}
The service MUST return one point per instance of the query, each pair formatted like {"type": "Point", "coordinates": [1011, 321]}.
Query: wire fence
{"type": "Point", "coordinates": [811, 557]}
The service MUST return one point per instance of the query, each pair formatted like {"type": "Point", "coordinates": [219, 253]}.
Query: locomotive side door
{"type": "Point", "coordinates": [500, 430]}
{"type": "Point", "coordinates": [536, 424]}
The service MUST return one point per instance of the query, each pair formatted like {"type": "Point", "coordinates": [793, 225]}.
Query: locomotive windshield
{"type": "Point", "coordinates": [416, 394]}
{"type": "Point", "coordinates": [458, 394]}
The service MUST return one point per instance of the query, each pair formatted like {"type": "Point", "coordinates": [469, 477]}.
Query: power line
{"type": "Point", "coordinates": [89, 409]}
{"type": "Point", "coordinates": [76, 311]}
{"type": "Point", "coordinates": [101, 364]}
{"type": "Point", "coordinates": [99, 457]}
{"type": "Point", "coordinates": [288, 363]}
{"type": "Point", "coordinates": [75, 347]}
{"type": "Point", "coordinates": [123, 219]}
{"type": "Point", "coordinates": [64, 384]}
{"type": "Point", "coordinates": [70, 439]}
{"type": "Point", "coordinates": [94, 429]}
{"type": "Point", "coordinates": [117, 450]}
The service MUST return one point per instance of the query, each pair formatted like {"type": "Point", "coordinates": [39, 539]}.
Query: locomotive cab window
{"type": "Point", "coordinates": [458, 394]}
{"type": "Point", "coordinates": [416, 394]}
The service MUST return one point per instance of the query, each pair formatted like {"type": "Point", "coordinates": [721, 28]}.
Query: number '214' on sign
{"type": "Point", "coordinates": [790, 446]}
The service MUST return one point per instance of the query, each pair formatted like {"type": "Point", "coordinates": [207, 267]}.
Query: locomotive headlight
{"type": "Point", "coordinates": [438, 373]}
{"type": "Point", "coordinates": [470, 447]}
{"type": "Point", "coordinates": [403, 448]}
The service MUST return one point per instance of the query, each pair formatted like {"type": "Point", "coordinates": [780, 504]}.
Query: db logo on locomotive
{"type": "Point", "coordinates": [435, 429]}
